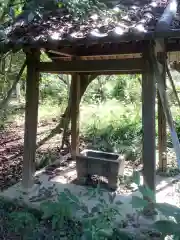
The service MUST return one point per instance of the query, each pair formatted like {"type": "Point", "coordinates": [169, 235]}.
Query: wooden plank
{"type": "Point", "coordinates": [162, 136]}
{"type": "Point", "coordinates": [166, 107]}
{"type": "Point", "coordinates": [99, 49]}
{"type": "Point", "coordinates": [173, 45]}
{"type": "Point", "coordinates": [31, 117]}
{"type": "Point", "coordinates": [75, 98]}
{"type": "Point", "coordinates": [98, 57]}
{"type": "Point", "coordinates": [148, 122]}
{"type": "Point", "coordinates": [88, 66]}
{"type": "Point", "coordinates": [111, 49]}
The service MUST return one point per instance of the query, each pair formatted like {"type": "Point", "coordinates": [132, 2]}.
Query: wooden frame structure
{"type": "Point", "coordinates": [130, 56]}
{"type": "Point", "coordinates": [76, 68]}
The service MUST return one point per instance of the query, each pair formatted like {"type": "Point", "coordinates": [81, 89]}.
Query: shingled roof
{"type": "Point", "coordinates": [125, 20]}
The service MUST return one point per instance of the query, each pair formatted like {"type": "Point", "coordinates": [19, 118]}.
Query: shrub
{"type": "Point", "coordinates": [114, 128]}
{"type": "Point", "coordinates": [127, 88]}
{"type": "Point", "coordinates": [99, 221]}
{"type": "Point", "coordinates": [52, 88]}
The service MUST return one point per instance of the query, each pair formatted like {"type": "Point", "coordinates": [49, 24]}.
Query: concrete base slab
{"type": "Point", "coordinates": [48, 189]}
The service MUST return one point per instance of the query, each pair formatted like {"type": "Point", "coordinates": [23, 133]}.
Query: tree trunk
{"type": "Point", "coordinates": [4, 102]}
{"type": "Point", "coordinates": [65, 120]}
{"type": "Point", "coordinates": [18, 92]}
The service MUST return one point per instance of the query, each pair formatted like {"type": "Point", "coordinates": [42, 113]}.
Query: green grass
{"type": "Point", "coordinates": [112, 126]}
{"type": "Point", "coordinates": [15, 112]}
{"type": "Point", "coordinates": [109, 126]}
{"type": "Point", "coordinates": [48, 110]}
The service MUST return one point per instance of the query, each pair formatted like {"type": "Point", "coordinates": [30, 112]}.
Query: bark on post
{"type": "Point", "coordinates": [75, 98]}
{"type": "Point", "coordinates": [31, 118]}
{"type": "Point", "coordinates": [148, 121]}
{"type": "Point", "coordinates": [162, 137]}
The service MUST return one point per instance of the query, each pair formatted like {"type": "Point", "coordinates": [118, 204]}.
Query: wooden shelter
{"type": "Point", "coordinates": [128, 38]}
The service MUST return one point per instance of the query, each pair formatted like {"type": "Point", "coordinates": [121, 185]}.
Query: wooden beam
{"type": "Point", "coordinates": [75, 98]}
{"type": "Point", "coordinates": [160, 51]}
{"type": "Point", "coordinates": [110, 49]}
{"type": "Point", "coordinates": [60, 53]}
{"type": "Point", "coordinates": [132, 47]}
{"type": "Point", "coordinates": [99, 57]}
{"type": "Point", "coordinates": [162, 136]}
{"type": "Point", "coordinates": [105, 48]}
{"type": "Point", "coordinates": [173, 45]}
{"type": "Point", "coordinates": [31, 118]}
{"type": "Point", "coordinates": [165, 20]}
{"type": "Point", "coordinates": [148, 122]}
{"type": "Point", "coordinates": [88, 66]}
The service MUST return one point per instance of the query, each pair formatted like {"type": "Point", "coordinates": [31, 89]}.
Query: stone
{"type": "Point", "coordinates": [109, 165]}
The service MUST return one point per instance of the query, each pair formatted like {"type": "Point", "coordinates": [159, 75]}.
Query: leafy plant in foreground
{"type": "Point", "coordinates": [168, 226]}
{"type": "Point", "coordinates": [23, 222]}
{"type": "Point", "coordinates": [98, 222]}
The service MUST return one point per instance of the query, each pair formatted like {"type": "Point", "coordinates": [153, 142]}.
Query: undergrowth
{"type": "Point", "coordinates": [71, 218]}
{"type": "Point", "coordinates": [114, 127]}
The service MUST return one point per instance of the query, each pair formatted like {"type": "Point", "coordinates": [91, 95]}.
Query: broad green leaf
{"type": "Point", "coordinates": [88, 234]}
{"type": "Point", "coordinates": [177, 217]}
{"type": "Point", "coordinates": [98, 189]}
{"type": "Point", "coordinates": [167, 209]}
{"type": "Point", "coordinates": [105, 233]}
{"type": "Point", "coordinates": [118, 202]}
{"type": "Point", "coordinates": [138, 202]}
{"type": "Point", "coordinates": [136, 177]}
{"type": "Point", "coordinates": [146, 192]}
{"type": "Point", "coordinates": [71, 196]}
{"type": "Point", "coordinates": [112, 197]}
{"type": "Point", "coordinates": [55, 221]}
{"type": "Point", "coordinates": [95, 209]}
{"type": "Point", "coordinates": [166, 227]}
{"type": "Point", "coordinates": [85, 208]}
{"type": "Point", "coordinates": [48, 209]}
{"type": "Point", "coordinates": [123, 234]}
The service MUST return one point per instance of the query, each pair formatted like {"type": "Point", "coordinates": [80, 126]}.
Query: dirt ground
{"type": "Point", "coordinates": [11, 156]}
{"type": "Point", "coordinates": [11, 151]}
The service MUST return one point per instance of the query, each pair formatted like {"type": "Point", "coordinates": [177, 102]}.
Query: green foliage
{"type": "Point", "coordinates": [168, 226]}
{"type": "Point", "coordinates": [81, 8]}
{"type": "Point", "coordinates": [99, 90]}
{"type": "Point", "coordinates": [54, 89]}
{"type": "Point", "coordinates": [97, 222]}
{"type": "Point", "coordinates": [177, 124]}
{"type": "Point", "coordinates": [127, 88]}
{"type": "Point", "coordinates": [114, 128]}
{"type": "Point", "coordinates": [22, 221]}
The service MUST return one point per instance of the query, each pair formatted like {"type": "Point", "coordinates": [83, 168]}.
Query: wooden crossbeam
{"type": "Point", "coordinates": [88, 66]}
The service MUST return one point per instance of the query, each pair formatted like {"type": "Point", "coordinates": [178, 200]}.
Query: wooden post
{"type": "Point", "coordinates": [162, 138]}
{"type": "Point", "coordinates": [75, 98]}
{"type": "Point", "coordinates": [31, 118]}
{"type": "Point", "coordinates": [167, 111]}
{"type": "Point", "coordinates": [148, 122]}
